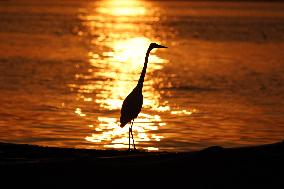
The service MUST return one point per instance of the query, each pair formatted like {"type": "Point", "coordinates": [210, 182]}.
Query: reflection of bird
{"type": "Point", "coordinates": [132, 104]}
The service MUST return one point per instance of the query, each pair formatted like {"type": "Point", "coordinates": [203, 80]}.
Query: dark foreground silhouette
{"type": "Point", "coordinates": [214, 167]}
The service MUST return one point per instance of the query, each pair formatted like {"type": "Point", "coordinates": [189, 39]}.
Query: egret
{"type": "Point", "coordinates": [132, 104]}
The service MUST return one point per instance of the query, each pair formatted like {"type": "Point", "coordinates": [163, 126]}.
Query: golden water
{"type": "Point", "coordinates": [67, 66]}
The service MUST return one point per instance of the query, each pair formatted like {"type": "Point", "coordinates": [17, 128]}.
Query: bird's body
{"type": "Point", "coordinates": [132, 104]}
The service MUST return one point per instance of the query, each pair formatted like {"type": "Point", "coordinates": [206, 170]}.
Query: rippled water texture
{"type": "Point", "coordinates": [66, 67]}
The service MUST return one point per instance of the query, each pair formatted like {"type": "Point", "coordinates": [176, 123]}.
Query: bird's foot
{"type": "Point", "coordinates": [132, 150]}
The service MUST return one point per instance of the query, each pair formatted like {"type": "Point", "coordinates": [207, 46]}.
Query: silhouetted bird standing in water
{"type": "Point", "coordinates": [132, 104]}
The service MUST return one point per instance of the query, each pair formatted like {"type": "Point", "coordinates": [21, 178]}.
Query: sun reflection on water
{"type": "Point", "coordinates": [122, 8]}
{"type": "Point", "coordinates": [108, 130]}
{"type": "Point", "coordinates": [116, 59]}
{"type": "Point", "coordinates": [122, 66]}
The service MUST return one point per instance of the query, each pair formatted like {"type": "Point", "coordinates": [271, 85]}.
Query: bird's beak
{"type": "Point", "coordinates": [161, 46]}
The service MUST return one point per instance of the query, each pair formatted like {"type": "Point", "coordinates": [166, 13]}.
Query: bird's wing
{"type": "Point", "coordinates": [131, 107]}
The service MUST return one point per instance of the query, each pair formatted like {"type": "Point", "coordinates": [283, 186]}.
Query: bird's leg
{"type": "Point", "coordinates": [132, 135]}
{"type": "Point", "coordinates": [129, 139]}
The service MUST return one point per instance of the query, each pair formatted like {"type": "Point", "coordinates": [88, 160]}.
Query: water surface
{"type": "Point", "coordinates": [67, 66]}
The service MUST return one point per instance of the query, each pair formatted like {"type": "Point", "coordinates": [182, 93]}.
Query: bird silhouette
{"type": "Point", "coordinates": [132, 104]}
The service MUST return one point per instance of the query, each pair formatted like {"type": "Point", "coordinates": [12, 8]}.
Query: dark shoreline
{"type": "Point", "coordinates": [213, 167]}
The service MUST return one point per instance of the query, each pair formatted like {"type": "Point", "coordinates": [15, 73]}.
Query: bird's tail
{"type": "Point", "coordinates": [122, 124]}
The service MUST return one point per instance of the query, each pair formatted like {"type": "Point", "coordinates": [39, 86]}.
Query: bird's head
{"type": "Point", "coordinates": [155, 45]}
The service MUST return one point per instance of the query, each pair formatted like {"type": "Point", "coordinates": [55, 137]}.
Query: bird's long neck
{"type": "Point", "coordinates": [143, 73]}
